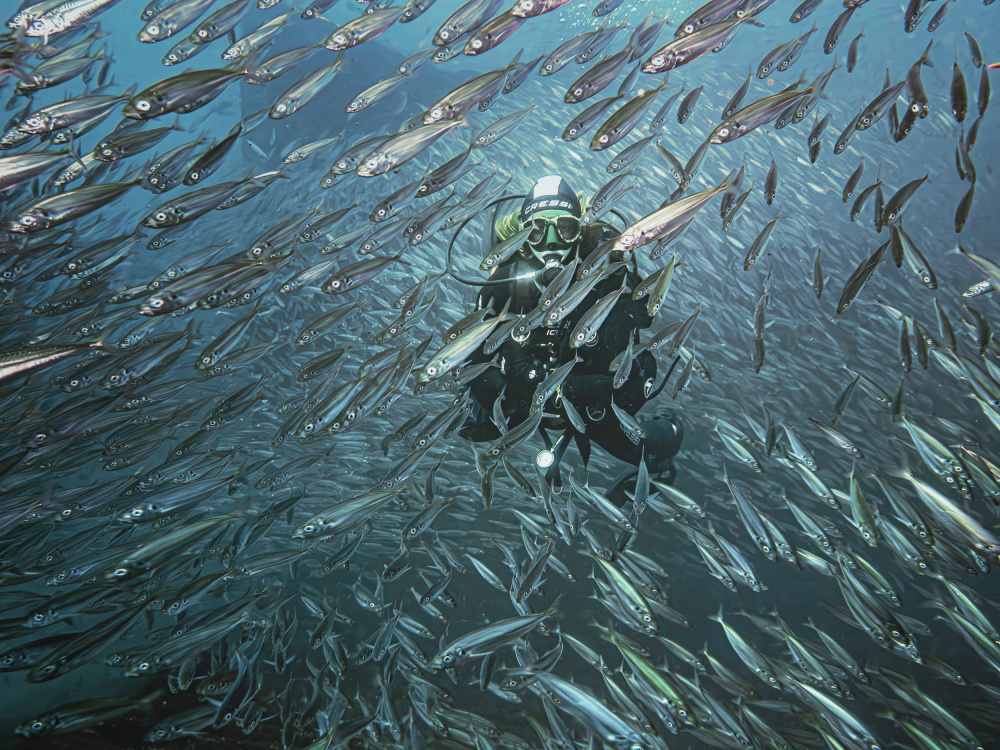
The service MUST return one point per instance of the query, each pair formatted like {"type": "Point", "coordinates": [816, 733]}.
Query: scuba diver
{"type": "Point", "coordinates": [557, 239]}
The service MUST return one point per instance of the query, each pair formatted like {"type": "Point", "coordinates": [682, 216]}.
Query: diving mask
{"type": "Point", "coordinates": [563, 229]}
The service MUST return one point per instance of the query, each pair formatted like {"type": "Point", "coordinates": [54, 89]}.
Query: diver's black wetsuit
{"type": "Point", "coordinates": [523, 365]}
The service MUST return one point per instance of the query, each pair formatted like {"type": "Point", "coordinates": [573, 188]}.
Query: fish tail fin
{"type": "Point", "coordinates": [553, 609]}
{"type": "Point", "coordinates": [924, 59]}
{"type": "Point", "coordinates": [248, 66]}
{"type": "Point", "coordinates": [21, 75]}
{"type": "Point", "coordinates": [104, 346]}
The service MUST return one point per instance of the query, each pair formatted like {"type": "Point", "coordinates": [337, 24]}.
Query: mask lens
{"type": "Point", "coordinates": [538, 229]}
{"type": "Point", "coordinates": [568, 228]}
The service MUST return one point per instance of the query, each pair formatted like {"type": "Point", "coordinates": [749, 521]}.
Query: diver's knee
{"type": "Point", "coordinates": [662, 442]}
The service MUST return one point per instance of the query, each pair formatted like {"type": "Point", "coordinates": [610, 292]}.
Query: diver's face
{"type": "Point", "coordinates": [554, 230]}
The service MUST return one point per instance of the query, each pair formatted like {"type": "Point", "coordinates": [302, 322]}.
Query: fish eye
{"type": "Point", "coordinates": [154, 29]}
{"type": "Point", "coordinates": [120, 572]}
{"type": "Point", "coordinates": [160, 216]}
{"type": "Point", "coordinates": [444, 33]}
{"type": "Point", "coordinates": [340, 39]}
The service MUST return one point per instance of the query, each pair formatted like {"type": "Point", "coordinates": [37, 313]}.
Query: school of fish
{"type": "Point", "coordinates": [234, 318]}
